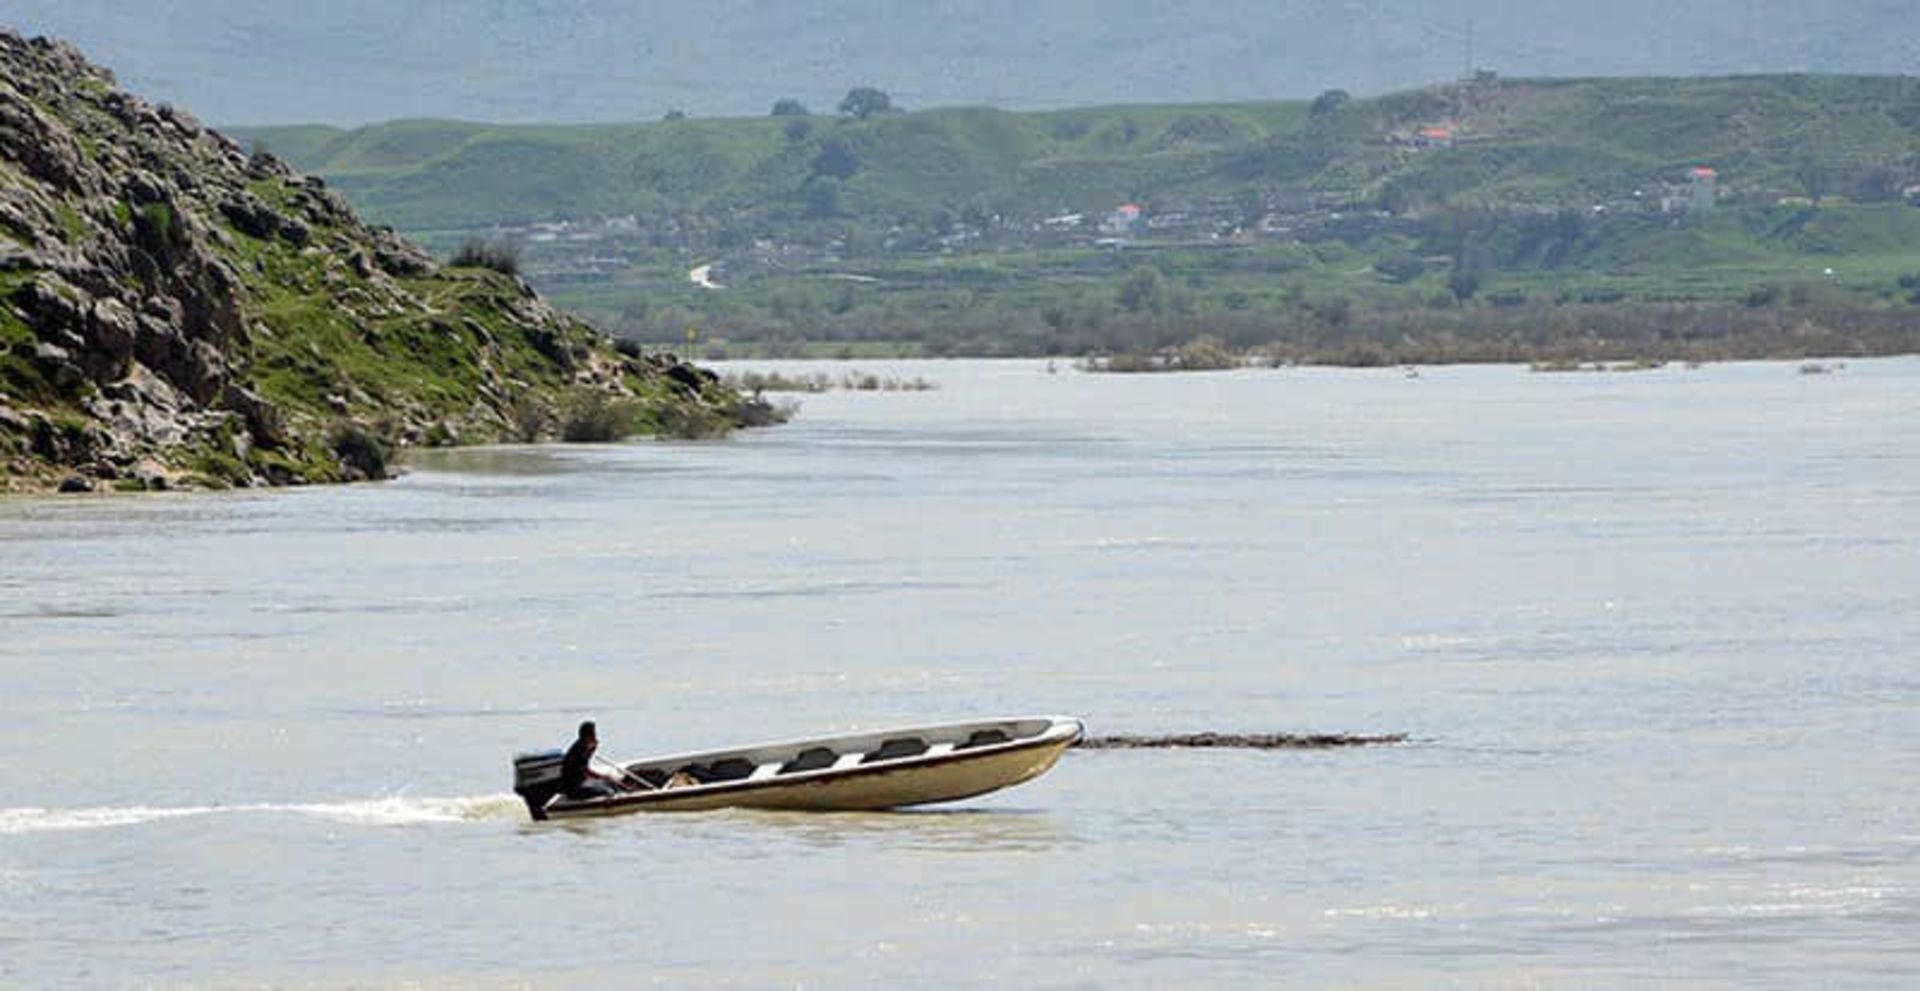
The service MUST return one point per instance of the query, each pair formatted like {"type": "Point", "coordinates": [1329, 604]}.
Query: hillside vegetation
{"type": "Point", "coordinates": [174, 312]}
{"type": "Point", "coordinates": [930, 230]}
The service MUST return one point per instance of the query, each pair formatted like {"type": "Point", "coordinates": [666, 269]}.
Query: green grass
{"type": "Point", "coordinates": [20, 377]}
{"type": "Point", "coordinates": [1541, 139]}
{"type": "Point", "coordinates": [73, 225]}
{"type": "Point", "coordinates": [1535, 158]}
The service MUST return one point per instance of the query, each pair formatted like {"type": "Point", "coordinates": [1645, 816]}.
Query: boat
{"type": "Point", "coordinates": [855, 772]}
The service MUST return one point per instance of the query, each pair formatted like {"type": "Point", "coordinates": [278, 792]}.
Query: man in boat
{"type": "Point", "coordinates": [578, 779]}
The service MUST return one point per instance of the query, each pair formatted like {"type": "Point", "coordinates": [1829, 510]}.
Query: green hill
{"type": "Point", "coordinates": [1541, 140]}
{"type": "Point", "coordinates": [1557, 189]}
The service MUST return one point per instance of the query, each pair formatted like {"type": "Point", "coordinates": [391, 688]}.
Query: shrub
{"type": "Point", "coordinates": [1401, 266]}
{"type": "Point", "coordinates": [158, 230]}
{"type": "Point", "coordinates": [362, 453]}
{"type": "Point", "coordinates": [1207, 353]}
{"type": "Point", "coordinates": [478, 252]}
{"type": "Point", "coordinates": [694, 422]}
{"type": "Point", "coordinates": [528, 420]}
{"type": "Point", "coordinates": [596, 418]}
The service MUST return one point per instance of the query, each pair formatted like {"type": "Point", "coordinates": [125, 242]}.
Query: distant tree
{"type": "Point", "coordinates": [478, 252]}
{"type": "Point", "coordinates": [1401, 266]}
{"type": "Point", "coordinates": [862, 102]}
{"type": "Point", "coordinates": [1249, 207]}
{"type": "Point", "coordinates": [836, 158]}
{"type": "Point", "coordinates": [1911, 283]}
{"type": "Point", "coordinates": [1328, 103]}
{"type": "Point", "coordinates": [1813, 179]}
{"type": "Point", "coordinates": [1463, 283]}
{"type": "Point", "coordinates": [1334, 310]}
{"type": "Point", "coordinates": [1878, 185]}
{"type": "Point", "coordinates": [788, 107]}
{"type": "Point", "coordinates": [1144, 289]}
{"type": "Point", "coordinates": [975, 214]}
{"type": "Point", "coordinates": [675, 115]}
{"type": "Point", "coordinates": [822, 194]}
{"type": "Point", "coordinates": [1471, 264]}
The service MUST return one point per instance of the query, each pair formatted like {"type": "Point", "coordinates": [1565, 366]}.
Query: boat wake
{"type": "Point", "coordinates": [393, 810]}
{"type": "Point", "coordinates": [1240, 741]}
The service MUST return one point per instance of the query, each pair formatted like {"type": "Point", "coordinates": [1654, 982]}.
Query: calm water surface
{"type": "Point", "coordinates": [1654, 636]}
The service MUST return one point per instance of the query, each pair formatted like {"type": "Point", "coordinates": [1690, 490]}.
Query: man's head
{"type": "Point", "coordinates": [588, 735]}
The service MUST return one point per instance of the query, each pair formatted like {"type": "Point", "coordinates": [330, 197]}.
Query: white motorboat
{"type": "Point", "coordinates": [879, 770]}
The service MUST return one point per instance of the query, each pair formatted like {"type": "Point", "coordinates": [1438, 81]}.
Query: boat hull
{"type": "Point", "coordinates": [943, 773]}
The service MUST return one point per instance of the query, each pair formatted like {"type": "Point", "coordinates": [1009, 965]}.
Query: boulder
{"type": "Point", "coordinates": [250, 216]}
{"type": "Point", "coordinates": [152, 475]}
{"type": "Point", "coordinates": [110, 330]}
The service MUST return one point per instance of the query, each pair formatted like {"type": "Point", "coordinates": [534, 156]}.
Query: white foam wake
{"type": "Point", "coordinates": [393, 810]}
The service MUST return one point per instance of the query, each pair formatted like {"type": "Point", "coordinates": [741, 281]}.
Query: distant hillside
{"type": "Point", "coordinates": [175, 312]}
{"type": "Point", "coordinates": [984, 231]}
{"type": "Point", "coordinates": [1540, 142]}
{"type": "Point", "coordinates": [563, 61]}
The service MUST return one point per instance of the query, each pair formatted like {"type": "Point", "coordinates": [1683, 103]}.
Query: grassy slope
{"type": "Point", "coordinates": [438, 174]}
{"type": "Point", "coordinates": [1572, 139]}
{"type": "Point", "coordinates": [1540, 146]}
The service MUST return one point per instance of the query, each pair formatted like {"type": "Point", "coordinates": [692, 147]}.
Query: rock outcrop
{"type": "Point", "coordinates": [176, 311]}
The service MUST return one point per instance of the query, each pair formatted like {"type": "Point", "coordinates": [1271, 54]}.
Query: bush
{"type": "Point", "coordinates": [528, 420]}
{"type": "Point", "coordinates": [1401, 266]}
{"type": "Point", "coordinates": [596, 418]}
{"type": "Point", "coordinates": [696, 422]}
{"type": "Point", "coordinates": [1207, 353]}
{"type": "Point", "coordinates": [478, 252]}
{"type": "Point", "coordinates": [363, 454]}
{"type": "Point", "coordinates": [862, 102]}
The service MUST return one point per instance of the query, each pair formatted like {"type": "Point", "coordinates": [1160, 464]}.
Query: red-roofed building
{"type": "Point", "coordinates": [1702, 183]}
{"type": "Point", "coordinates": [1125, 219]}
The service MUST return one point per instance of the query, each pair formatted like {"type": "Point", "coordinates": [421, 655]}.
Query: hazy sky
{"type": "Point", "coordinates": [355, 61]}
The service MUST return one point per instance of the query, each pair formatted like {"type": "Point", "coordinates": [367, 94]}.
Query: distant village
{"type": "Point", "coordinates": [602, 248]}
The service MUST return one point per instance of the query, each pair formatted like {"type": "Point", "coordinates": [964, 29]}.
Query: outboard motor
{"type": "Point", "coordinates": [536, 779]}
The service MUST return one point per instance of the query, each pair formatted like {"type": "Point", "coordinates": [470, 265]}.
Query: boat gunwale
{"type": "Point", "coordinates": [1050, 737]}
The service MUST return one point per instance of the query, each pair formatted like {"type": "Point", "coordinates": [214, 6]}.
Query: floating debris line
{"type": "Point", "coordinates": [1240, 741]}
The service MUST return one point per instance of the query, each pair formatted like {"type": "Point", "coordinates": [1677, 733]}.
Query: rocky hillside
{"type": "Point", "coordinates": [174, 311]}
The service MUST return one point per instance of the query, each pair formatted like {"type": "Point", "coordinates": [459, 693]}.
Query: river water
{"type": "Point", "coordinates": [1653, 636]}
